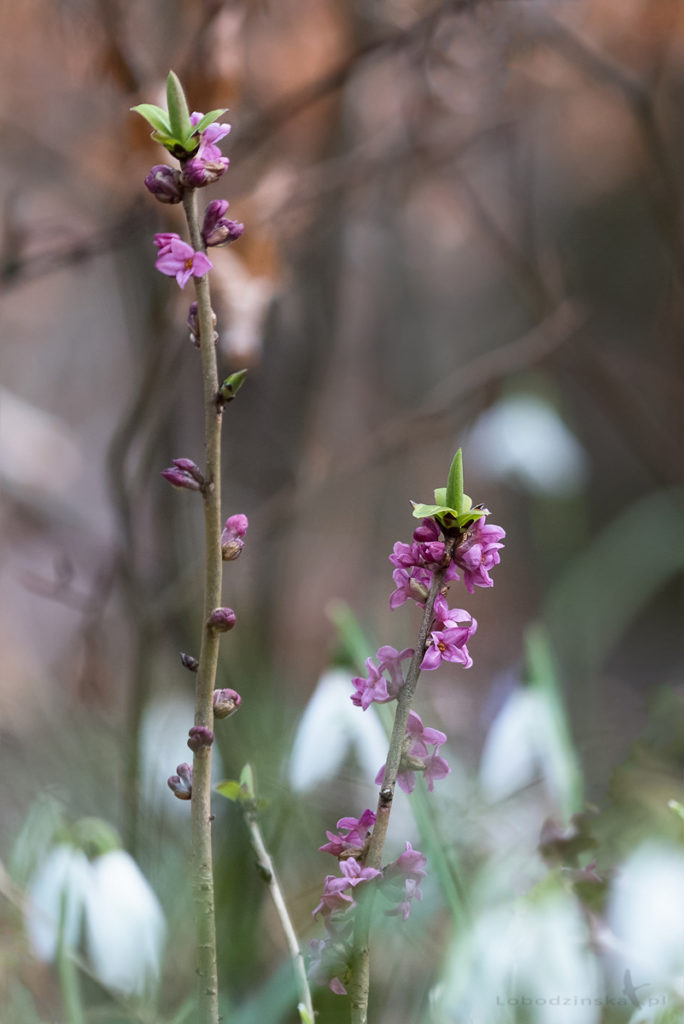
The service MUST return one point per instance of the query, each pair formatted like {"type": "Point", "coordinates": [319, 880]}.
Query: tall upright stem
{"type": "Point", "coordinates": [360, 984]}
{"type": "Point", "coordinates": [203, 876]}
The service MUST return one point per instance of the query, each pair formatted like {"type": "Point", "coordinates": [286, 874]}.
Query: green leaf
{"type": "Point", "coordinates": [454, 488]}
{"type": "Point", "coordinates": [247, 781]}
{"type": "Point", "coordinates": [304, 1014]}
{"type": "Point", "coordinates": [208, 119]}
{"type": "Point", "coordinates": [421, 511]}
{"type": "Point", "coordinates": [155, 116]}
{"type": "Point", "coordinates": [231, 789]}
{"type": "Point", "coordinates": [440, 496]}
{"type": "Point", "coordinates": [179, 115]}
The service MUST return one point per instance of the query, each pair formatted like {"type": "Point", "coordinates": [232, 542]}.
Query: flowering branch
{"type": "Point", "coordinates": [452, 538]}
{"type": "Point", "coordinates": [359, 989]}
{"type": "Point", "coordinates": [192, 138]}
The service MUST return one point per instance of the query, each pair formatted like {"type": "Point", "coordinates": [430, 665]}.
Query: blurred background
{"type": "Point", "coordinates": [463, 229]}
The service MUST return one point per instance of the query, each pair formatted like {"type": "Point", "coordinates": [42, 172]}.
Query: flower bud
{"type": "Point", "coordinates": [181, 784]}
{"type": "Point", "coordinates": [193, 324]}
{"type": "Point", "coordinates": [418, 591]}
{"type": "Point", "coordinates": [187, 661]}
{"type": "Point", "coordinates": [164, 183]}
{"type": "Point", "coordinates": [231, 538]}
{"type": "Point", "coordinates": [199, 736]}
{"type": "Point", "coordinates": [226, 703]}
{"type": "Point", "coordinates": [221, 620]}
{"type": "Point", "coordinates": [218, 229]}
{"type": "Point", "coordinates": [184, 474]}
{"type": "Point", "coordinates": [197, 173]}
{"type": "Point", "coordinates": [232, 385]}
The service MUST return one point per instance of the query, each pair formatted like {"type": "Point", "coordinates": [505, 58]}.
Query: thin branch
{"type": "Point", "coordinates": [268, 873]}
{"type": "Point", "coordinates": [203, 876]}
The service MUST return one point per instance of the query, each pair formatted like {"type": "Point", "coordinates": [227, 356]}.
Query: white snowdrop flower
{"type": "Point", "coordinates": [59, 886]}
{"type": "Point", "coordinates": [125, 927]}
{"type": "Point", "coordinates": [109, 900]}
{"type": "Point", "coordinates": [645, 915]}
{"type": "Point", "coordinates": [523, 437]}
{"type": "Point", "coordinates": [328, 728]}
{"type": "Point", "coordinates": [533, 956]}
{"type": "Point", "coordinates": [525, 743]}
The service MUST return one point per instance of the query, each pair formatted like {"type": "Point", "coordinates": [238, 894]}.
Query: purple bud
{"type": "Point", "coordinates": [226, 703]}
{"type": "Point", "coordinates": [187, 661]}
{"type": "Point", "coordinates": [188, 466]}
{"type": "Point", "coordinates": [218, 229]}
{"type": "Point", "coordinates": [231, 538]}
{"type": "Point", "coordinates": [164, 183]}
{"type": "Point", "coordinates": [193, 324]}
{"type": "Point", "coordinates": [197, 173]}
{"type": "Point", "coordinates": [179, 478]}
{"type": "Point", "coordinates": [221, 620]}
{"type": "Point", "coordinates": [199, 736]}
{"type": "Point", "coordinates": [185, 474]}
{"type": "Point", "coordinates": [181, 784]}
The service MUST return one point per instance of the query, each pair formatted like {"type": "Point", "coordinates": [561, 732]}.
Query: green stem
{"type": "Point", "coordinates": [267, 871]}
{"type": "Point", "coordinates": [203, 876]}
{"type": "Point", "coordinates": [68, 974]}
{"type": "Point", "coordinates": [360, 984]}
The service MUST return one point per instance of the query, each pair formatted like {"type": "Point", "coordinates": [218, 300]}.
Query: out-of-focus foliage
{"type": "Point", "coordinates": [463, 229]}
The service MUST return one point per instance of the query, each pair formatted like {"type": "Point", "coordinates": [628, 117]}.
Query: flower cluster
{"type": "Point", "coordinates": [448, 546]}
{"type": "Point", "coordinates": [399, 882]}
{"type": "Point", "coordinates": [201, 164]}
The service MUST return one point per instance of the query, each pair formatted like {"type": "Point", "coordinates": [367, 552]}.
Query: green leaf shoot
{"type": "Point", "coordinates": [155, 117]}
{"type": "Point", "coordinates": [454, 488]}
{"type": "Point", "coordinates": [179, 115]}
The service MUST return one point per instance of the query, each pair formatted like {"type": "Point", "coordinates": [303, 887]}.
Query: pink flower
{"type": "Point", "coordinates": [478, 553]}
{"type": "Point", "coordinates": [369, 689]}
{"type": "Point", "coordinates": [449, 642]}
{"type": "Point", "coordinates": [208, 149]}
{"type": "Point", "coordinates": [402, 878]}
{"type": "Point", "coordinates": [352, 843]}
{"type": "Point", "coordinates": [178, 259]}
{"type": "Point", "coordinates": [232, 541]}
{"type": "Point", "coordinates": [418, 757]}
{"type": "Point", "coordinates": [375, 687]}
{"type": "Point", "coordinates": [413, 583]}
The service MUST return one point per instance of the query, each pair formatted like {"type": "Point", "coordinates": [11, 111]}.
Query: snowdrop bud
{"type": "Point", "coordinates": [221, 620]}
{"type": "Point", "coordinates": [164, 183]}
{"type": "Point", "coordinates": [226, 703]}
{"type": "Point", "coordinates": [199, 736]}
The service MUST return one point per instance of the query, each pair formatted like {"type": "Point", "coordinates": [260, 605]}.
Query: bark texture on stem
{"type": "Point", "coordinates": [203, 875]}
{"type": "Point", "coordinates": [360, 983]}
